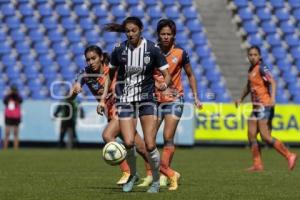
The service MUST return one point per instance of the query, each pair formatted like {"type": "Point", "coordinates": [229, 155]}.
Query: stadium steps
{"type": "Point", "coordinates": [225, 44]}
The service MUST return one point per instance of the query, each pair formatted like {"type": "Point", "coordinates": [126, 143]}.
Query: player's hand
{"type": "Point", "coordinates": [100, 107]}
{"type": "Point", "coordinates": [162, 87]}
{"type": "Point", "coordinates": [198, 103]}
{"type": "Point", "coordinates": [77, 88]}
{"type": "Point", "coordinates": [237, 102]}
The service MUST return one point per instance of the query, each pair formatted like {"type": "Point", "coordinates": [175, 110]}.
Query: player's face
{"type": "Point", "coordinates": [166, 36]}
{"type": "Point", "coordinates": [133, 33]}
{"type": "Point", "coordinates": [93, 60]}
{"type": "Point", "coordinates": [253, 56]}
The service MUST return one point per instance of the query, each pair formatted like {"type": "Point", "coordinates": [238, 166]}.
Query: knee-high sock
{"type": "Point", "coordinates": [281, 148]}
{"type": "Point", "coordinates": [167, 155]}
{"type": "Point", "coordinates": [154, 161]}
{"type": "Point", "coordinates": [256, 154]}
{"type": "Point", "coordinates": [124, 166]}
{"type": "Point", "coordinates": [131, 160]}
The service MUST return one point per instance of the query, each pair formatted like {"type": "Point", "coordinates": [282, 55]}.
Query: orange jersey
{"type": "Point", "coordinates": [176, 58]}
{"type": "Point", "coordinates": [259, 82]}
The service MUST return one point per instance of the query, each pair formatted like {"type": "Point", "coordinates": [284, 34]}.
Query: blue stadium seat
{"type": "Point", "coordinates": [3, 36]}
{"type": "Point", "coordinates": [8, 61]}
{"type": "Point", "coordinates": [73, 36]}
{"type": "Point", "coordinates": [151, 2]}
{"type": "Point", "coordinates": [184, 3]}
{"type": "Point", "coordinates": [279, 52]}
{"type": "Point", "coordinates": [60, 47]}
{"type": "Point", "coordinates": [55, 36]}
{"type": "Point", "coordinates": [12, 22]}
{"type": "Point", "coordinates": [41, 48]}
{"type": "Point", "coordinates": [80, 61]}
{"type": "Point", "coordinates": [292, 40]}
{"type": "Point", "coordinates": [167, 2]}
{"type": "Point", "coordinates": [8, 9]}
{"type": "Point", "coordinates": [27, 60]}
{"type": "Point", "coordinates": [5, 48]}
{"type": "Point", "coordinates": [274, 39]}
{"type": "Point", "coordinates": [294, 3]}
{"type": "Point", "coordinates": [63, 10]}
{"type": "Point", "coordinates": [49, 22]}
{"type": "Point", "coordinates": [241, 3]}
{"type": "Point", "coordinates": [118, 11]}
{"type": "Point", "coordinates": [154, 12]}
{"type": "Point", "coordinates": [194, 25]}
{"type": "Point", "coordinates": [277, 3]}
{"type": "Point", "coordinates": [78, 2]}
{"type": "Point", "coordinates": [268, 27]}
{"type": "Point", "coordinates": [77, 48]}
{"type": "Point", "coordinates": [172, 12]}
{"type": "Point", "coordinates": [22, 47]}
{"type": "Point", "coordinates": [86, 23]}
{"type": "Point", "coordinates": [17, 35]}
{"type": "Point", "coordinates": [287, 27]}
{"type": "Point", "coordinates": [179, 25]}
{"type": "Point", "coordinates": [100, 10]}
{"type": "Point", "coordinates": [31, 22]}
{"type": "Point", "coordinates": [181, 38]}
{"type": "Point", "coordinates": [45, 60]}
{"type": "Point", "coordinates": [45, 10]}
{"type": "Point", "coordinates": [199, 38]}
{"type": "Point", "coordinates": [110, 37]}
{"type": "Point", "coordinates": [259, 3]}
{"type": "Point", "coordinates": [283, 64]}
{"type": "Point", "coordinates": [132, 2]}
{"type": "Point", "coordinates": [255, 39]}
{"type": "Point", "coordinates": [81, 10]}
{"type": "Point", "coordinates": [264, 13]}
{"type": "Point", "coordinates": [250, 27]}
{"type": "Point", "coordinates": [114, 2]}
{"type": "Point", "coordinates": [282, 14]}
{"type": "Point", "coordinates": [295, 52]}
{"type": "Point", "coordinates": [245, 14]}
{"type": "Point", "coordinates": [26, 9]}
{"type": "Point", "coordinates": [190, 12]}
{"type": "Point", "coordinates": [203, 51]}
{"type": "Point", "coordinates": [92, 37]}
{"type": "Point", "coordinates": [137, 10]}
{"type": "Point", "coordinates": [296, 13]}
{"type": "Point", "coordinates": [36, 35]}
{"type": "Point", "coordinates": [68, 23]}
{"type": "Point", "coordinates": [102, 21]}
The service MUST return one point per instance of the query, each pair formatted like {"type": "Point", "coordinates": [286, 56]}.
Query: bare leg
{"type": "Point", "coordinates": [16, 137]}
{"type": "Point", "coordinates": [6, 138]}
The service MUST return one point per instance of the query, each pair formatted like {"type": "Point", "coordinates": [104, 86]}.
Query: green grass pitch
{"type": "Point", "coordinates": [207, 173]}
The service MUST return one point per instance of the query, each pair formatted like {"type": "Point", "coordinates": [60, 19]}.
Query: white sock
{"type": "Point", "coordinates": [131, 160]}
{"type": "Point", "coordinates": [154, 161]}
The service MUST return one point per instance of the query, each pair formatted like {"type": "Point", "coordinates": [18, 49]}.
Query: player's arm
{"type": "Point", "coordinates": [76, 89]}
{"type": "Point", "coordinates": [167, 78]}
{"type": "Point", "coordinates": [193, 84]}
{"type": "Point", "coordinates": [245, 92]}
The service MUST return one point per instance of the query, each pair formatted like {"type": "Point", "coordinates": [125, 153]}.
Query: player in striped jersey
{"type": "Point", "coordinates": [94, 77]}
{"type": "Point", "coordinates": [135, 60]}
{"type": "Point", "coordinates": [171, 100]}
{"type": "Point", "coordinates": [262, 87]}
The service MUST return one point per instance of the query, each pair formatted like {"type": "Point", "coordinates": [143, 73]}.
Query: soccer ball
{"type": "Point", "coordinates": [114, 153]}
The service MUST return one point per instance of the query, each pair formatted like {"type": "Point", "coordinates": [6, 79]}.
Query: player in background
{"type": "Point", "coordinates": [171, 101]}
{"type": "Point", "coordinates": [262, 87]}
{"type": "Point", "coordinates": [94, 77]}
{"type": "Point", "coordinates": [134, 60]}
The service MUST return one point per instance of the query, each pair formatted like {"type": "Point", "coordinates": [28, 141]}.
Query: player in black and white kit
{"type": "Point", "coordinates": [134, 60]}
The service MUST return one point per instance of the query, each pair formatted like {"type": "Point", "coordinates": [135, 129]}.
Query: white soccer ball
{"type": "Point", "coordinates": [114, 153]}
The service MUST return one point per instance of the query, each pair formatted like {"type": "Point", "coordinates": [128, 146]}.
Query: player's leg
{"type": "Point", "coordinates": [16, 136]}
{"type": "Point", "coordinates": [6, 137]}
{"type": "Point", "coordinates": [148, 118]}
{"type": "Point", "coordinates": [111, 131]}
{"type": "Point", "coordinates": [127, 123]}
{"type": "Point", "coordinates": [254, 145]}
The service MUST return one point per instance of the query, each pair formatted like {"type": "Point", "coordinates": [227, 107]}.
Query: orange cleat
{"type": "Point", "coordinates": [292, 161]}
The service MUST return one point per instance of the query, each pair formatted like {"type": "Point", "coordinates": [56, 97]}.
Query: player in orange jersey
{"type": "Point", "coordinates": [262, 87]}
{"type": "Point", "coordinates": [171, 100]}
{"type": "Point", "coordinates": [94, 77]}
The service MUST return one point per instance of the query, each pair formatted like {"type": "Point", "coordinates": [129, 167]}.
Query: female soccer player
{"type": "Point", "coordinates": [171, 100]}
{"type": "Point", "coordinates": [94, 77]}
{"type": "Point", "coordinates": [262, 87]}
{"type": "Point", "coordinates": [135, 60]}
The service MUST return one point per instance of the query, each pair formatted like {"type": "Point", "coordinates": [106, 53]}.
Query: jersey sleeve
{"type": "Point", "coordinates": [114, 61]}
{"type": "Point", "coordinates": [185, 58]}
{"type": "Point", "coordinates": [265, 73]}
{"type": "Point", "coordinates": [160, 60]}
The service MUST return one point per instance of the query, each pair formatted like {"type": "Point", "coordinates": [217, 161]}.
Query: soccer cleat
{"type": "Point", "coordinates": [292, 161]}
{"type": "Point", "coordinates": [178, 176]}
{"type": "Point", "coordinates": [124, 178]}
{"type": "Point", "coordinates": [146, 181]}
{"type": "Point", "coordinates": [154, 188]}
{"type": "Point", "coordinates": [255, 168]}
{"type": "Point", "coordinates": [163, 180]}
{"type": "Point", "coordinates": [127, 187]}
{"type": "Point", "coordinates": [174, 181]}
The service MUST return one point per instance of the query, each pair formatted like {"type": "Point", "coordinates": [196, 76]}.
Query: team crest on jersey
{"type": "Point", "coordinates": [174, 59]}
{"type": "Point", "coordinates": [147, 60]}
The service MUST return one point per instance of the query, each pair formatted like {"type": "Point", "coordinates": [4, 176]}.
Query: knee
{"type": "Point", "coordinates": [267, 139]}
{"type": "Point", "coordinates": [150, 147]}
{"type": "Point", "coordinates": [107, 137]}
{"type": "Point", "coordinates": [128, 144]}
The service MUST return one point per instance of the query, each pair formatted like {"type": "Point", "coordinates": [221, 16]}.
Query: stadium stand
{"type": "Point", "coordinates": [274, 26]}
{"type": "Point", "coordinates": [43, 41]}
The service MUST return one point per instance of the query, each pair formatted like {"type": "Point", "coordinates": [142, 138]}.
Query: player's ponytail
{"type": "Point", "coordinates": [106, 58]}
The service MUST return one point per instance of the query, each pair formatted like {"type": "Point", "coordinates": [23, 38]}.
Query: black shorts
{"type": "Point", "coordinates": [135, 109]}
{"type": "Point", "coordinates": [263, 113]}
{"type": "Point", "coordinates": [12, 122]}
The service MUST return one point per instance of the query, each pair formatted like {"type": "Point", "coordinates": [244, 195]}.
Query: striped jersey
{"type": "Point", "coordinates": [177, 58]}
{"type": "Point", "coordinates": [259, 81]}
{"type": "Point", "coordinates": [135, 67]}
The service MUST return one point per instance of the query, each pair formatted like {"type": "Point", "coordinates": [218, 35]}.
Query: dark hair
{"type": "Point", "coordinates": [254, 47]}
{"type": "Point", "coordinates": [166, 22]}
{"type": "Point", "coordinates": [120, 28]}
{"type": "Point", "coordinates": [99, 51]}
